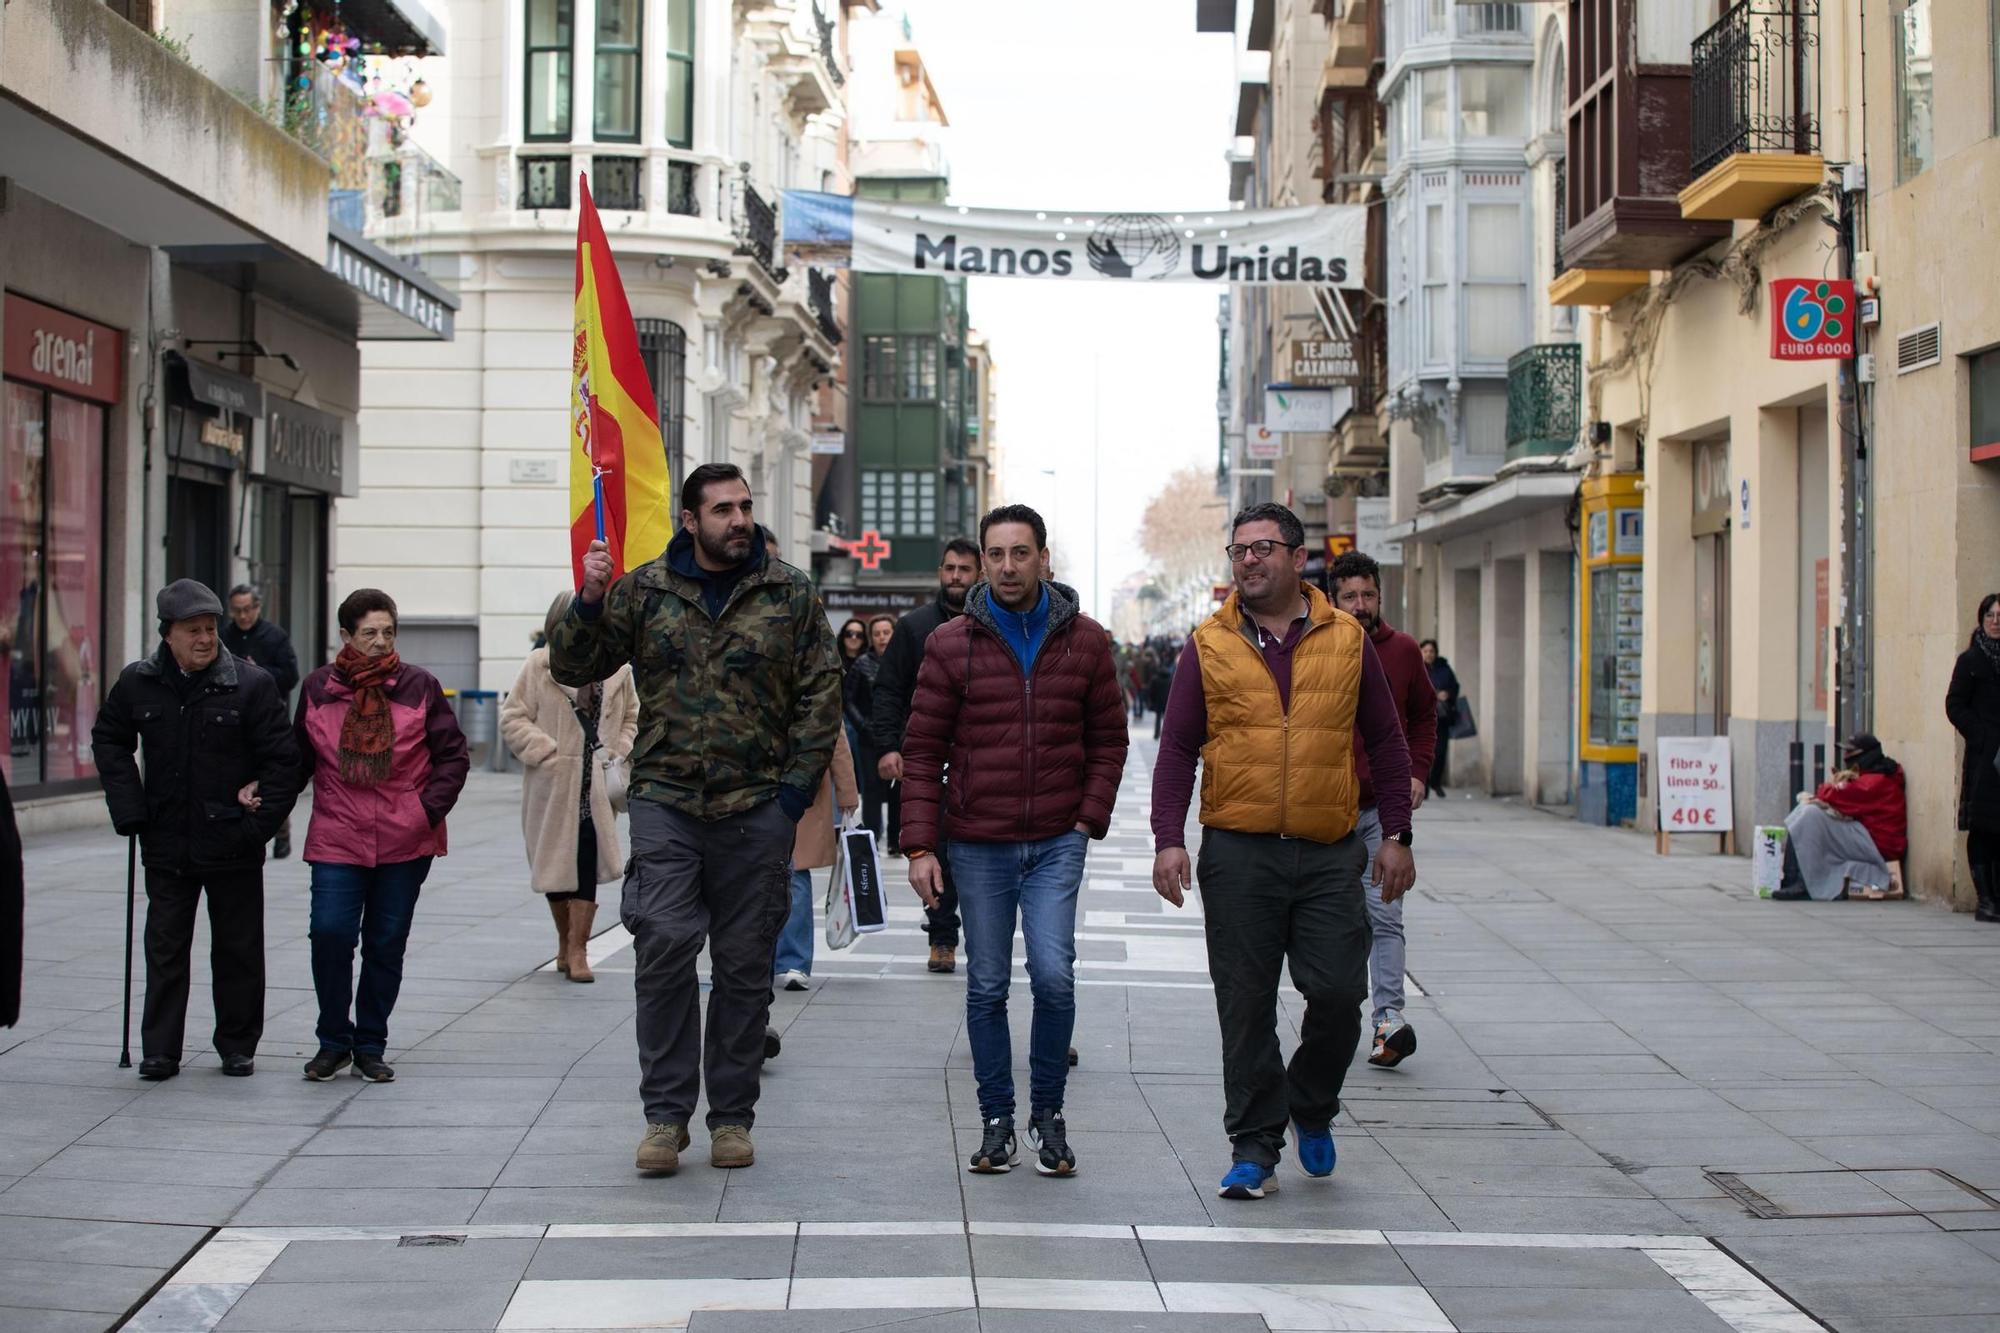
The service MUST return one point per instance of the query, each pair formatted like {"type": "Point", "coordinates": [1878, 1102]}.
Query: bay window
{"type": "Point", "coordinates": [616, 113]}
{"type": "Point", "coordinates": [550, 26]}
{"type": "Point", "coordinates": [680, 73]}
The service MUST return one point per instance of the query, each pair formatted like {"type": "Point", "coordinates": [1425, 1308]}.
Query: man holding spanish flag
{"type": "Point", "coordinates": [739, 704]}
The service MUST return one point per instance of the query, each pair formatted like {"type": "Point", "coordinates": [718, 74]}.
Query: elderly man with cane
{"type": "Point", "coordinates": [221, 775]}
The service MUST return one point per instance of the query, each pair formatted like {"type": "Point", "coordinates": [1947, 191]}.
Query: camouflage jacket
{"type": "Point", "coordinates": [730, 707]}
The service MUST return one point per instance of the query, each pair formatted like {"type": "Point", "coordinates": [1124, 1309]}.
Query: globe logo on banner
{"type": "Point", "coordinates": [1134, 245]}
{"type": "Point", "coordinates": [1813, 319]}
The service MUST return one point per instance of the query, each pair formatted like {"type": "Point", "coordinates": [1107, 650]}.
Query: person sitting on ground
{"type": "Point", "coordinates": [1851, 828]}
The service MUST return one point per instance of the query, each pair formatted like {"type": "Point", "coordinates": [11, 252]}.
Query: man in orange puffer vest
{"type": "Point", "coordinates": [1270, 693]}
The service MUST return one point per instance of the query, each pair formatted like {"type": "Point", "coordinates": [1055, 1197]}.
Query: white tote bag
{"type": "Point", "coordinates": [839, 908]}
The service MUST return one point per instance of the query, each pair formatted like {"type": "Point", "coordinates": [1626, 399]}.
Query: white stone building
{"type": "Point", "coordinates": [689, 117]}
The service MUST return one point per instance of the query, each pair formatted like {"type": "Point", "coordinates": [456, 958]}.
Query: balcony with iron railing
{"type": "Point", "coordinates": [757, 236]}
{"type": "Point", "coordinates": [1626, 138]}
{"type": "Point", "coordinates": [819, 297]}
{"type": "Point", "coordinates": [1756, 110]}
{"type": "Point", "coordinates": [617, 181]}
{"type": "Point", "coordinates": [1544, 400]}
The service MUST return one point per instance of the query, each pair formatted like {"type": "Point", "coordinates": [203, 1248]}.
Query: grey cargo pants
{"type": "Point", "coordinates": [726, 882]}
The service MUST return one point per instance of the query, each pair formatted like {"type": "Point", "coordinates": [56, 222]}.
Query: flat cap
{"type": "Point", "coordinates": [184, 599]}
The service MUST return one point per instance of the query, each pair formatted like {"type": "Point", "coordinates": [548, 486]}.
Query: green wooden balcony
{"type": "Point", "coordinates": [1544, 399]}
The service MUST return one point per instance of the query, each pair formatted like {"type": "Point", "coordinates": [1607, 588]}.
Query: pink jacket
{"type": "Point", "coordinates": [402, 818]}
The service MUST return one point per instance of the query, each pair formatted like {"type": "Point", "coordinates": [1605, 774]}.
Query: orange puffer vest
{"type": "Point", "coordinates": [1265, 769]}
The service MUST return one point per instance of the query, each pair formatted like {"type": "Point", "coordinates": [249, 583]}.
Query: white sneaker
{"type": "Point", "coordinates": [796, 980]}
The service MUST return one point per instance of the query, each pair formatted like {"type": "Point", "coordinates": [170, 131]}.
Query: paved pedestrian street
{"type": "Point", "coordinates": [1641, 1099]}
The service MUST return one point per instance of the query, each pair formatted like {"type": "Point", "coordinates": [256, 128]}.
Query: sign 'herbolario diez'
{"type": "Point", "coordinates": [1318, 244]}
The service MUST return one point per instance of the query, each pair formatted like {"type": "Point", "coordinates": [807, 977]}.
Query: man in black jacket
{"type": "Point", "coordinates": [254, 639]}
{"type": "Point", "coordinates": [895, 683]}
{"type": "Point", "coordinates": [222, 772]}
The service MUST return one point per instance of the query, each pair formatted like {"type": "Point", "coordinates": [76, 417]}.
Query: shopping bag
{"type": "Point", "coordinates": [1767, 860]}
{"type": "Point", "coordinates": [866, 901]}
{"type": "Point", "coordinates": [839, 910]}
{"type": "Point", "coordinates": [1463, 727]}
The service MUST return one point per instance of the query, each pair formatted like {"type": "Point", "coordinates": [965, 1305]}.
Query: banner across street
{"type": "Point", "coordinates": [1322, 244]}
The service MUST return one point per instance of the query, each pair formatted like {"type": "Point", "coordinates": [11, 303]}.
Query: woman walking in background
{"type": "Point", "coordinates": [1973, 705]}
{"type": "Point", "coordinates": [387, 763]}
{"type": "Point", "coordinates": [855, 691]}
{"type": "Point", "coordinates": [564, 738]}
{"type": "Point", "coordinates": [879, 798]}
{"type": "Point", "coordinates": [1445, 682]}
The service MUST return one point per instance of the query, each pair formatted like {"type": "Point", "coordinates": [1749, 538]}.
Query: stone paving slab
{"type": "Point", "coordinates": [1601, 1030]}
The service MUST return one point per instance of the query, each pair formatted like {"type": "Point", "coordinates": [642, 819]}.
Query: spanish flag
{"type": "Point", "coordinates": [619, 487]}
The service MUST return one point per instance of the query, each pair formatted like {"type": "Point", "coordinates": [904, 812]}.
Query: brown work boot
{"type": "Point", "coordinates": [660, 1150]}
{"type": "Point", "coordinates": [729, 1145]}
{"type": "Point", "coordinates": [559, 909]}
{"type": "Point", "coordinates": [944, 958]}
{"type": "Point", "coordinates": [581, 915]}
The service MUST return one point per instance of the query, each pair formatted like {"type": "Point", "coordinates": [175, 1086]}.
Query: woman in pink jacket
{"type": "Point", "coordinates": [387, 762]}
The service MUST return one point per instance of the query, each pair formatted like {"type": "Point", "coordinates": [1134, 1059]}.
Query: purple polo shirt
{"type": "Point", "coordinates": [1184, 730]}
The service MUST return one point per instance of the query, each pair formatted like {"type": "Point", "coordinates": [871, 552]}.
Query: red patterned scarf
{"type": "Point", "coordinates": [367, 735]}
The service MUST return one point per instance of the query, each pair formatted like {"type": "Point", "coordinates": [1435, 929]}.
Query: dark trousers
{"type": "Point", "coordinates": [1269, 901]}
{"type": "Point", "coordinates": [373, 906]}
{"type": "Point", "coordinates": [882, 809]}
{"type": "Point", "coordinates": [727, 883]}
{"type": "Point", "coordinates": [1440, 762]}
{"type": "Point", "coordinates": [941, 922]}
{"type": "Point", "coordinates": [235, 958]}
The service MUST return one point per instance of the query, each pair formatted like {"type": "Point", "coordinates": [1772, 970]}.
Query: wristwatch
{"type": "Point", "coordinates": [1402, 838]}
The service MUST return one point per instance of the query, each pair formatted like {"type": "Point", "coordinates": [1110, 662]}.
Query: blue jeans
{"type": "Point", "coordinates": [372, 906]}
{"type": "Point", "coordinates": [1386, 958]}
{"type": "Point", "coordinates": [795, 941]}
{"type": "Point", "coordinates": [1039, 881]}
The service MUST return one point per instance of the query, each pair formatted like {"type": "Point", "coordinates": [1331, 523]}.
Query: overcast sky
{"type": "Point", "coordinates": [1089, 106]}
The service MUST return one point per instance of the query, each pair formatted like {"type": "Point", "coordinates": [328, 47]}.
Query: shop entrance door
{"type": "Point", "coordinates": [198, 532]}
{"type": "Point", "coordinates": [1711, 628]}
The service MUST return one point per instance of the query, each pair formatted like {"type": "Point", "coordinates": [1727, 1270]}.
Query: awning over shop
{"type": "Point", "coordinates": [396, 27]}
{"type": "Point", "coordinates": [1509, 498]}
{"type": "Point", "coordinates": [357, 285]}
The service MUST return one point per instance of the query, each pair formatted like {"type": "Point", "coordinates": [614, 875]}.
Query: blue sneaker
{"type": "Point", "coordinates": [1315, 1149]}
{"type": "Point", "coordinates": [1247, 1180]}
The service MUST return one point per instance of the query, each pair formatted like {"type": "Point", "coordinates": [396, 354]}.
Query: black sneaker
{"type": "Point", "coordinates": [322, 1067]}
{"type": "Point", "coordinates": [772, 1043]}
{"type": "Point", "coordinates": [373, 1068]}
{"type": "Point", "coordinates": [1049, 1137]}
{"type": "Point", "coordinates": [998, 1149]}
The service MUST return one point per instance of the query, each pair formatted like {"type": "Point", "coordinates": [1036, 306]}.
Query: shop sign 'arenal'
{"type": "Point", "coordinates": [1812, 319]}
{"type": "Point", "coordinates": [1315, 244]}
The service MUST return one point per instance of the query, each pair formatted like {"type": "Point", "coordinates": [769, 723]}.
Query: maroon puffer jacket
{"type": "Point", "coordinates": [1030, 757]}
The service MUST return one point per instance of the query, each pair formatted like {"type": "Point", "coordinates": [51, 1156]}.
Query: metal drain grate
{"type": "Point", "coordinates": [428, 1241]}
{"type": "Point", "coordinates": [1890, 1192]}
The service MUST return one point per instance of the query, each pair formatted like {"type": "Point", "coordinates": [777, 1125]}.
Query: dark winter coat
{"type": "Point", "coordinates": [269, 647]}
{"type": "Point", "coordinates": [896, 682]}
{"type": "Point", "coordinates": [1444, 678]}
{"type": "Point", "coordinates": [1031, 756]}
{"type": "Point", "coordinates": [857, 692]}
{"type": "Point", "coordinates": [1973, 704]}
{"type": "Point", "coordinates": [734, 701]}
{"type": "Point", "coordinates": [201, 749]}
{"type": "Point", "coordinates": [13, 903]}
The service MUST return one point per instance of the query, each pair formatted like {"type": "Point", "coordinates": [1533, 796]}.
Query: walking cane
{"type": "Point", "coordinates": [131, 899]}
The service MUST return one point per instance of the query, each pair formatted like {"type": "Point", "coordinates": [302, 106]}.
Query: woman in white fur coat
{"type": "Point", "coordinates": [566, 814]}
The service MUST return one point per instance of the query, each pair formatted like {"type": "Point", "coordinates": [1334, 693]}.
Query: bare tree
{"type": "Point", "coordinates": [1182, 533]}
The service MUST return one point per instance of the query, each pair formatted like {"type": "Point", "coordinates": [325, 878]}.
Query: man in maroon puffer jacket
{"type": "Point", "coordinates": [1020, 697]}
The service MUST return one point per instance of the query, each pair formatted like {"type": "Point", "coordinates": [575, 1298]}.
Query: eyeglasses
{"type": "Point", "coordinates": [1261, 549]}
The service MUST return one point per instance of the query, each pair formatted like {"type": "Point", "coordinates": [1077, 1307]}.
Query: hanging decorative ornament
{"type": "Point", "coordinates": [420, 94]}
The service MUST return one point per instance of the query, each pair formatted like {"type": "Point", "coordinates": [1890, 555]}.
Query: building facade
{"type": "Point", "coordinates": [687, 117]}
{"type": "Point", "coordinates": [914, 474]}
{"type": "Point", "coordinates": [184, 308]}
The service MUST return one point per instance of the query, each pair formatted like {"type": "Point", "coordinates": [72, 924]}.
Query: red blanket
{"type": "Point", "coordinates": [1875, 799]}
